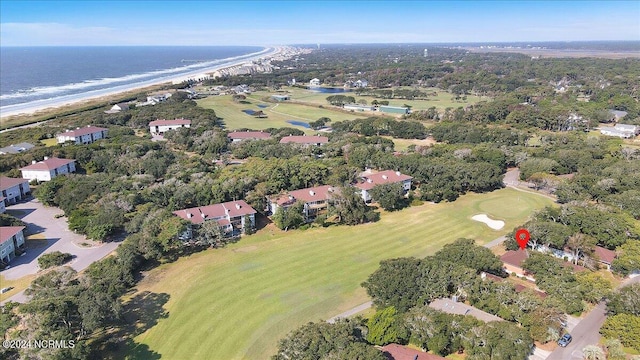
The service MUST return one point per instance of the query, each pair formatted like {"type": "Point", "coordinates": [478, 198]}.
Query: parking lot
{"type": "Point", "coordinates": [45, 233]}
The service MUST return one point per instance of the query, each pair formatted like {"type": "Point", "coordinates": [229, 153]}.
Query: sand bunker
{"type": "Point", "coordinates": [494, 224]}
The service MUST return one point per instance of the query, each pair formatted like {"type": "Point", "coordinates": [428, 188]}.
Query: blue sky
{"type": "Point", "coordinates": [50, 23]}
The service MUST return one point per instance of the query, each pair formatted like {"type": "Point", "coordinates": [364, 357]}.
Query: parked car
{"type": "Point", "coordinates": [565, 340]}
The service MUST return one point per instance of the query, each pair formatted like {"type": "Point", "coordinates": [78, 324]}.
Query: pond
{"type": "Point", "coordinates": [299, 123]}
{"type": "Point", "coordinates": [248, 112]}
{"type": "Point", "coordinates": [329, 90]}
{"type": "Point", "coordinates": [263, 106]}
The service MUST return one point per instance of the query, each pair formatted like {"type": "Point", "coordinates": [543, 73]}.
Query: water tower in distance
{"type": "Point", "coordinates": [426, 53]}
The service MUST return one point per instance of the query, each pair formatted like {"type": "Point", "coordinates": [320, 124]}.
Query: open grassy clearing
{"type": "Point", "coordinates": [278, 114]}
{"type": "Point", "coordinates": [235, 303]}
{"type": "Point", "coordinates": [403, 144]}
{"type": "Point", "coordinates": [441, 101]}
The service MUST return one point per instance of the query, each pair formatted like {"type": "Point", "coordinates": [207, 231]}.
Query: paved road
{"type": "Point", "coordinates": [56, 236]}
{"type": "Point", "coordinates": [587, 332]}
{"type": "Point", "coordinates": [351, 312]}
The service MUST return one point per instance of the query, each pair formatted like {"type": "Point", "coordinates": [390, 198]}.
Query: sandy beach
{"type": "Point", "coordinates": [39, 105]}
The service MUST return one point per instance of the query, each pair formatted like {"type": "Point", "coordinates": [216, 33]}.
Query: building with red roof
{"type": "Point", "coordinates": [316, 200]}
{"type": "Point", "coordinates": [13, 190]}
{"type": "Point", "coordinates": [369, 180]}
{"type": "Point", "coordinates": [48, 169]}
{"type": "Point", "coordinates": [604, 256]}
{"type": "Point", "coordinates": [399, 352]}
{"type": "Point", "coordinates": [11, 243]}
{"type": "Point", "coordinates": [237, 136]}
{"type": "Point", "coordinates": [233, 216]}
{"type": "Point", "coordinates": [162, 126]}
{"type": "Point", "coordinates": [513, 260]}
{"type": "Point", "coordinates": [305, 140]}
{"type": "Point", "coordinates": [85, 135]}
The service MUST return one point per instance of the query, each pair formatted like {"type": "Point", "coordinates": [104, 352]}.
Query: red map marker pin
{"type": "Point", "coordinates": [522, 237]}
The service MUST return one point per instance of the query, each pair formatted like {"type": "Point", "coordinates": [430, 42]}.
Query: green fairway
{"type": "Point", "coordinates": [277, 114]}
{"type": "Point", "coordinates": [236, 302]}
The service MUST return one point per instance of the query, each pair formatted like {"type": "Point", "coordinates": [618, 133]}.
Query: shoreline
{"type": "Point", "coordinates": [37, 106]}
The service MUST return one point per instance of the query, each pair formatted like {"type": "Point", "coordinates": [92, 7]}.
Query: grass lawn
{"type": "Point", "coordinates": [278, 114]}
{"type": "Point", "coordinates": [441, 101]}
{"type": "Point", "coordinates": [17, 285]}
{"type": "Point", "coordinates": [236, 302]}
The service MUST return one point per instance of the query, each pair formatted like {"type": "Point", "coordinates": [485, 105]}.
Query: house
{"type": "Point", "coordinates": [305, 140]}
{"type": "Point", "coordinates": [157, 98]}
{"type": "Point", "coordinates": [361, 83]}
{"type": "Point", "coordinates": [3, 209]}
{"type": "Point", "coordinates": [616, 115]}
{"type": "Point", "coordinates": [11, 243]}
{"type": "Point", "coordinates": [278, 97]}
{"type": "Point", "coordinates": [314, 82]}
{"type": "Point", "coordinates": [604, 256]}
{"type": "Point", "coordinates": [85, 135]}
{"type": "Point", "coordinates": [315, 200]}
{"type": "Point", "coordinates": [238, 136]}
{"type": "Point", "coordinates": [162, 126]}
{"type": "Point", "coordinates": [358, 107]}
{"type": "Point", "coordinates": [453, 307]}
{"type": "Point", "coordinates": [13, 190]}
{"type": "Point", "coordinates": [518, 287]}
{"type": "Point", "coordinates": [48, 169]}
{"type": "Point", "coordinates": [393, 109]}
{"type": "Point", "coordinates": [117, 108]}
{"type": "Point", "coordinates": [15, 149]}
{"type": "Point", "coordinates": [621, 130]}
{"type": "Point", "coordinates": [399, 352]}
{"type": "Point", "coordinates": [513, 260]}
{"type": "Point", "coordinates": [232, 216]}
{"type": "Point", "coordinates": [370, 180]}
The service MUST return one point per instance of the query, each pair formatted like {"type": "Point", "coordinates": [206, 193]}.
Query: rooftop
{"type": "Point", "coordinates": [198, 215]}
{"type": "Point", "coordinates": [7, 182]}
{"type": "Point", "coordinates": [170, 122]}
{"type": "Point", "coordinates": [242, 135]}
{"type": "Point", "coordinates": [16, 148]}
{"type": "Point", "coordinates": [304, 139]}
{"type": "Point", "coordinates": [48, 164]}
{"type": "Point", "coordinates": [605, 255]}
{"type": "Point", "coordinates": [6, 232]}
{"type": "Point", "coordinates": [83, 131]}
{"type": "Point", "coordinates": [382, 177]}
{"type": "Point", "coordinates": [399, 352]}
{"type": "Point", "coordinates": [307, 195]}
{"type": "Point", "coordinates": [514, 257]}
{"type": "Point", "coordinates": [452, 307]}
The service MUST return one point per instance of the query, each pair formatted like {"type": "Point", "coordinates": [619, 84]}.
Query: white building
{"type": "Point", "coordinates": [621, 130]}
{"type": "Point", "coordinates": [359, 107]}
{"type": "Point", "coordinates": [314, 82]}
{"type": "Point", "coordinates": [382, 177]}
{"type": "Point", "coordinates": [13, 190]}
{"type": "Point", "coordinates": [85, 135]}
{"type": "Point", "coordinates": [48, 169]}
{"type": "Point", "coordinates": [11, 241]}
{"type": "Point", "coordinates": [162, 126]}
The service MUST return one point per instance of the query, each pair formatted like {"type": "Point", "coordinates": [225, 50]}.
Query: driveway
{"type": "Point", "coordinates": [47, 234]}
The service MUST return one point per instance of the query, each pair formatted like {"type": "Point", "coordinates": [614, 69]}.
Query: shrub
{"type": "Point", "coordinates": [55, 258]}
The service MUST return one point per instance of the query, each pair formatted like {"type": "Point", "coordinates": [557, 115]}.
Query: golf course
{"type": "Point", "coordinates": [236, 302]}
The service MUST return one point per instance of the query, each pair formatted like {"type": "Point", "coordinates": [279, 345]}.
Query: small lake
{"type": "Point", "coordinates": [329, 90]}
{"type": "Point", "coordinates": [248, 112]}
{"type": "Point", "coordinates": [263, 106]}
{"type": "Point", "coordinates": [299, 123]}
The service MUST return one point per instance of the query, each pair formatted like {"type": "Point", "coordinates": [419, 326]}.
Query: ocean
{"type": "Point", "coordinates": [32, 74]}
